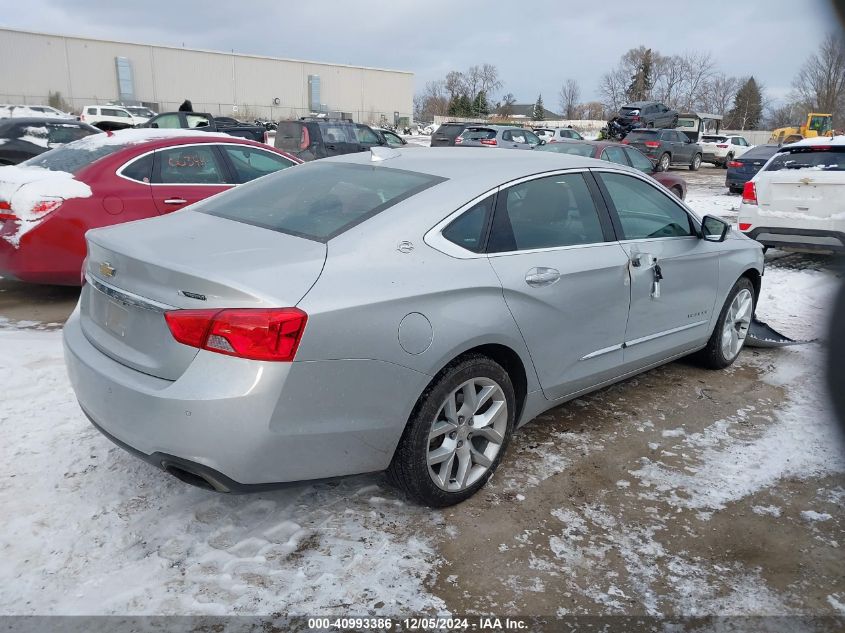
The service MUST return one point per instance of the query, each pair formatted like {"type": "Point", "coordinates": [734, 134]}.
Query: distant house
{"type": "Point", "coordinates": [526, 111]}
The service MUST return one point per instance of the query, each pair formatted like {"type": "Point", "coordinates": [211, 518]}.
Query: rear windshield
{"type": "Point", "coordinates": [761, 151]}
{"type": "Point", "coordinates": [578, 149]}
{"type": "Point", "coordinates": [822, 158]}
{"type": "Point", "coordinates": [317, 201]}
{"type": "Point", "coordinates": [629, 110]}
{"type": "Point", "coordinates": [450, 129]}
{"type": "Point", "coordinates": [73, 159]}
{"type": "Point", "coordinates": [642, 135]}
{"type": "Point", "coordinates": [476, 134]}
{"type": "Point", "coordinates": [714, 139]}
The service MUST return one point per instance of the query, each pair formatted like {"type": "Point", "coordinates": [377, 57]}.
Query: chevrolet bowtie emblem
{"type": "Point", "coordinates": [107, 270]}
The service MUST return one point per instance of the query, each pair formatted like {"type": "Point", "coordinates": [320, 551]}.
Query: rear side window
{"type": "Point", "coordinates": [139, 170]}
{"type": "Point", "coordinates": [320, 200]}
{"type": "Point", "coordinates": [92, 110]}
{"type": "Point", "coordinates": [190, 165]}
{"type": "Point", "coordinates": [643, 211]}
{"type": "Point", "coordinates": [337, 133]}
{"type": "Point", "coordinates": [251, 163]}
{"type": "Point", "coordinates": [467, 231]}
{"type": "Point", "coordinates": [167, 121]}
{"type": "Point", "coordinates": [545, 213]}
{"type": "Point", "coordinates": [820, 158]}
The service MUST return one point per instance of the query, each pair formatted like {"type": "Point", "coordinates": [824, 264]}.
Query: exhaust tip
{"type": "Point", "coordinates": [193, 479]}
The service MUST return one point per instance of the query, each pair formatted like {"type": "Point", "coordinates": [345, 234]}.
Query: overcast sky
{"type": "Point", "coordinates": [536, 45]}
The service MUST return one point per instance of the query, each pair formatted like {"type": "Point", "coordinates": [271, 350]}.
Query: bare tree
{"type": "Point", "coordinates": [717, 94]}
{"type": "Point", "coordinates": [594, 110]}
{"type": "Point", "coordinates": [506, 106]}
{"type": "Point", "coordinates": [697, 69]}
{"type": "Point", "coordinates": [433, 100]}
{"type": "Point", "coordinates": [669, 73]}
{"type": "Point", "coordinates": [455, 84]}
{"type": "Point", "coordinates": [570, 96]}
{"type": "Point", "coordinates": [613, 88]}
{"type": "Point", "coordinates": [821, 81]}
{"type": "Point", "coordinates": [489, 80]}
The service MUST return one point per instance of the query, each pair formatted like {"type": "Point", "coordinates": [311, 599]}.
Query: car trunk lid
{"type": "Point", "coordinates": [138, 271]}
{"type": "Point", "coordinates": [802, 195]}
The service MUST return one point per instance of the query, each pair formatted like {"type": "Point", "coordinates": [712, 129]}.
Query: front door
{"type": "Point", "coordinates": [565, 279]}
{"type": "Point", "coordinates": [674, 273]}
{"type": "Point", "coordinates": [186, 174]}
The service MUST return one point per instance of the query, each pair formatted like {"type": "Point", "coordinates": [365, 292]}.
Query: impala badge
{"type": "Point", "coordinates": [107, 270]}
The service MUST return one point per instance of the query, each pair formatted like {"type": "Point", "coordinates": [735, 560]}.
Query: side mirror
{"type": "Point", "coordinates": [714, 229]}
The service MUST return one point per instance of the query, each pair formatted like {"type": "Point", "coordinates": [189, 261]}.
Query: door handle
{"type": "Point", "coordinates": [538, 277]}
{"type": "Point", "coordinates": [643, 260]}
{"type": "Point", "coordinates": [175, 201]}
{"type": "Point", "coordinates": [332, 147]}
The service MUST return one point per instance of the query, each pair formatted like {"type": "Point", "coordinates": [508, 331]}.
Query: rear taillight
{"type": "Point", "coordinates": [625, 141]}
{"type": "Point", "coordinates": [304, 138]}
{"type": "Point", "coordinates": [744, 226]}
{"type": "Point", "coordinates": [45, 206]}
{"type": "Point", "coordinates": [636, 117]}
{"type": "Point", "coordinates": [722, 145]}
{"type": "Point", "coordinates": [458, 140]}
{"type": "Point", "coordinates": [489, 141]}
{"type": "Point", "coordinates": [652, 144]}
{"type": "Point", "coordinates": [256, 333]}
{"type": "Point", "coordinates": [6, 211]}
{"type": "Point", "coordinates": [735, 164]}
{"type": "Point", "coordinates": [749, 193]}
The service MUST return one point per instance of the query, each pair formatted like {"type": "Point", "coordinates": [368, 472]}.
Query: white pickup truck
{"type": "Point", "coordinates": [720, 149]}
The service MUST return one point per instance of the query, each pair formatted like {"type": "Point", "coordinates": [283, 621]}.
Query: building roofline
{"type": "Point", "coordinates": [206, 50]}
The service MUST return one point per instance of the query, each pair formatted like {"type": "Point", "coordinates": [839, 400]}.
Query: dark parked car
{"type": "Point", "coordinates": [743, 169]}
{"type": "Point", "coordinates": [647, 114]}
{"type": "Point", "coordinates": [313, 138]}
{"type": "Point", "coordinates": [621, 154]}
{"type": "Point", "coordinates": [205, 122]}
{"type": "Point", "coordinates": [666, 147]}
{"type": "Point", "coordinates": [21, 139]}
{"type": "Point", "coordinates": [446, 134]}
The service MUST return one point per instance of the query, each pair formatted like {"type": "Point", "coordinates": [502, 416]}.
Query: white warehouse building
{"type": "Point", "coordinates": [36, 66]}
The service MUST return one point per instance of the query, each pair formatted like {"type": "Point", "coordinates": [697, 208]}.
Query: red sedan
{"type": "Point", "coordinates": [622, 154]}
{"type": "Point", "coordinates": [49, 202]}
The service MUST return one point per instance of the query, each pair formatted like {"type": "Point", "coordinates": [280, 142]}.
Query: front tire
{"type": "Point", "coordinates": [663, 162]}
{"type": "Point", "coordinates": [731, 329]}
{"type": "Point", "coordinates": [696, 163]}
{"type": "Point", "coordinates": [457, 434]}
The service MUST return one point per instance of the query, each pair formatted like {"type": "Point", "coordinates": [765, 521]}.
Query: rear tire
{"type": "Point", "coordinates": [457, 433]}
{"type": "Point", "coordinates": [663, 162]}
{"type": "Point", "coordinates": [728, 159]}
{"type": "Point", "coordinates": [696, 163]}
{"type": "Point", "coordinates": [736, 315]}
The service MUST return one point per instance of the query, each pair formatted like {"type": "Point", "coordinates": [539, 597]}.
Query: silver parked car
{"type": "Point", "coordinates": [394, 310]}
{"type": "Point", "coordinates": [499, 136]}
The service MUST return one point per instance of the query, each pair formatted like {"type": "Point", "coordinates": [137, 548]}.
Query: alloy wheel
{"type": "Point", "coordinates": [737, 322]}
{"type": "Point", "coordinates": [467, 434]}
{"type": "Point", "coordinates": [664, 162]}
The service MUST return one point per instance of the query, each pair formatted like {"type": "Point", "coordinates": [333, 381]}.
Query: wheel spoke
{"type": "Point", "coordinates": [480, 458]}
{"type": "Point", "coordinates": [470, 398]}
{"type": "Point", "coordinates": [489, 417]}
{"type": "Point", "coordinates": [484, 396]}
{"type": "Point", "coordinates": [440, 428]}
{"type": "Point", "coordinates": [464, 465]}
{"type": "Point", "coordinates": [440, 455]}
{"type": "Point", "coordinates": [489, 433]}
{"type": "Point", "coordinates": [450, 408]}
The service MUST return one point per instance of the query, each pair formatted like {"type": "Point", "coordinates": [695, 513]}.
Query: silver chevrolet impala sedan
{"type": "Point", "coordinates": [394, 310]}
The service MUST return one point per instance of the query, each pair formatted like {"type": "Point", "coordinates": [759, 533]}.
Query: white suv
{"type": "Point", "coordinates": [109, 117]}
{"type": "Point", "coordinates": [551, 135]}
{"type": "Point", "coordinates": [720, 149]}
{"type": "Point", "coordinates": [797, 200]}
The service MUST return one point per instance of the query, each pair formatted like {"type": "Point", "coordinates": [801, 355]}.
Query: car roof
{"type": "Point", "coordinates": [637, 104]}
{"type": "Point", "coordinates": [43, 119]}
{"type": "Point", "coordinates": [836, 141]}
{"type": "Point", "coordinates": [487, 167]}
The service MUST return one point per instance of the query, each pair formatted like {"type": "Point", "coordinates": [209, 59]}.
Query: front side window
{"type": "Point", "coordinates": [639, 161]}
{"type": "Point", "coordinates": [467, 231]}
{"type": "Point", "coordinates": [192, 165]}
{"type": "Point", "coordinates": [545, 213]}
{"type": "Point", "coordinates": [531, 138]}
{"type": "Point", "coordinates": [319, 200]}
{"type": "Point", "coordinates": [167, 121]}
{"type": "Point", "coordinates": [251, 163]}
{"type": "Point", "coordinates": [645, 212]}
{"type": "Point", "coordinates": [614, 155]}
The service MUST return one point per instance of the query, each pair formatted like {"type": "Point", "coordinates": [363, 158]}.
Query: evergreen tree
{"type": "Point", "coordinates": [464, 106]}
{"type": "Point", "coordinates": [642, 81]}
{"type": "Point", "coordinates": [539, 109]}
{"type": "Point", "coordinates": [480, 107]}
{"type": "Point", "coordinates": [748, 107]}
{"type": "Point", "coordinates": [452, 108]}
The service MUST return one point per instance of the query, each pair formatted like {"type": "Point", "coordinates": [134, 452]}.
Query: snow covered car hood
{"type": "Point", "coordinates": [31, 193]}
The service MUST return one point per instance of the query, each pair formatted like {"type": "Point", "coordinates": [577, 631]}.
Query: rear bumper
{"type": "Point", "coordinates": [43, 256]}
{"type": "Point", "coordinates": [235, 424]}
{"type": "Point", "coordinates": [802, 239]}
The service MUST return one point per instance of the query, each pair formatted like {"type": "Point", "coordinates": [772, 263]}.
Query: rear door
{"type": "Point", "coordinates": [564, 277]}
{"type": "Point", "coordinates": [674, 273]}
{"type": "Point", "coordinates": [186, 174]}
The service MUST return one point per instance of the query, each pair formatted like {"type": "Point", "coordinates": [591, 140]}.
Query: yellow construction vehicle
{"type": "Point", "coordinates": [817, 125]}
